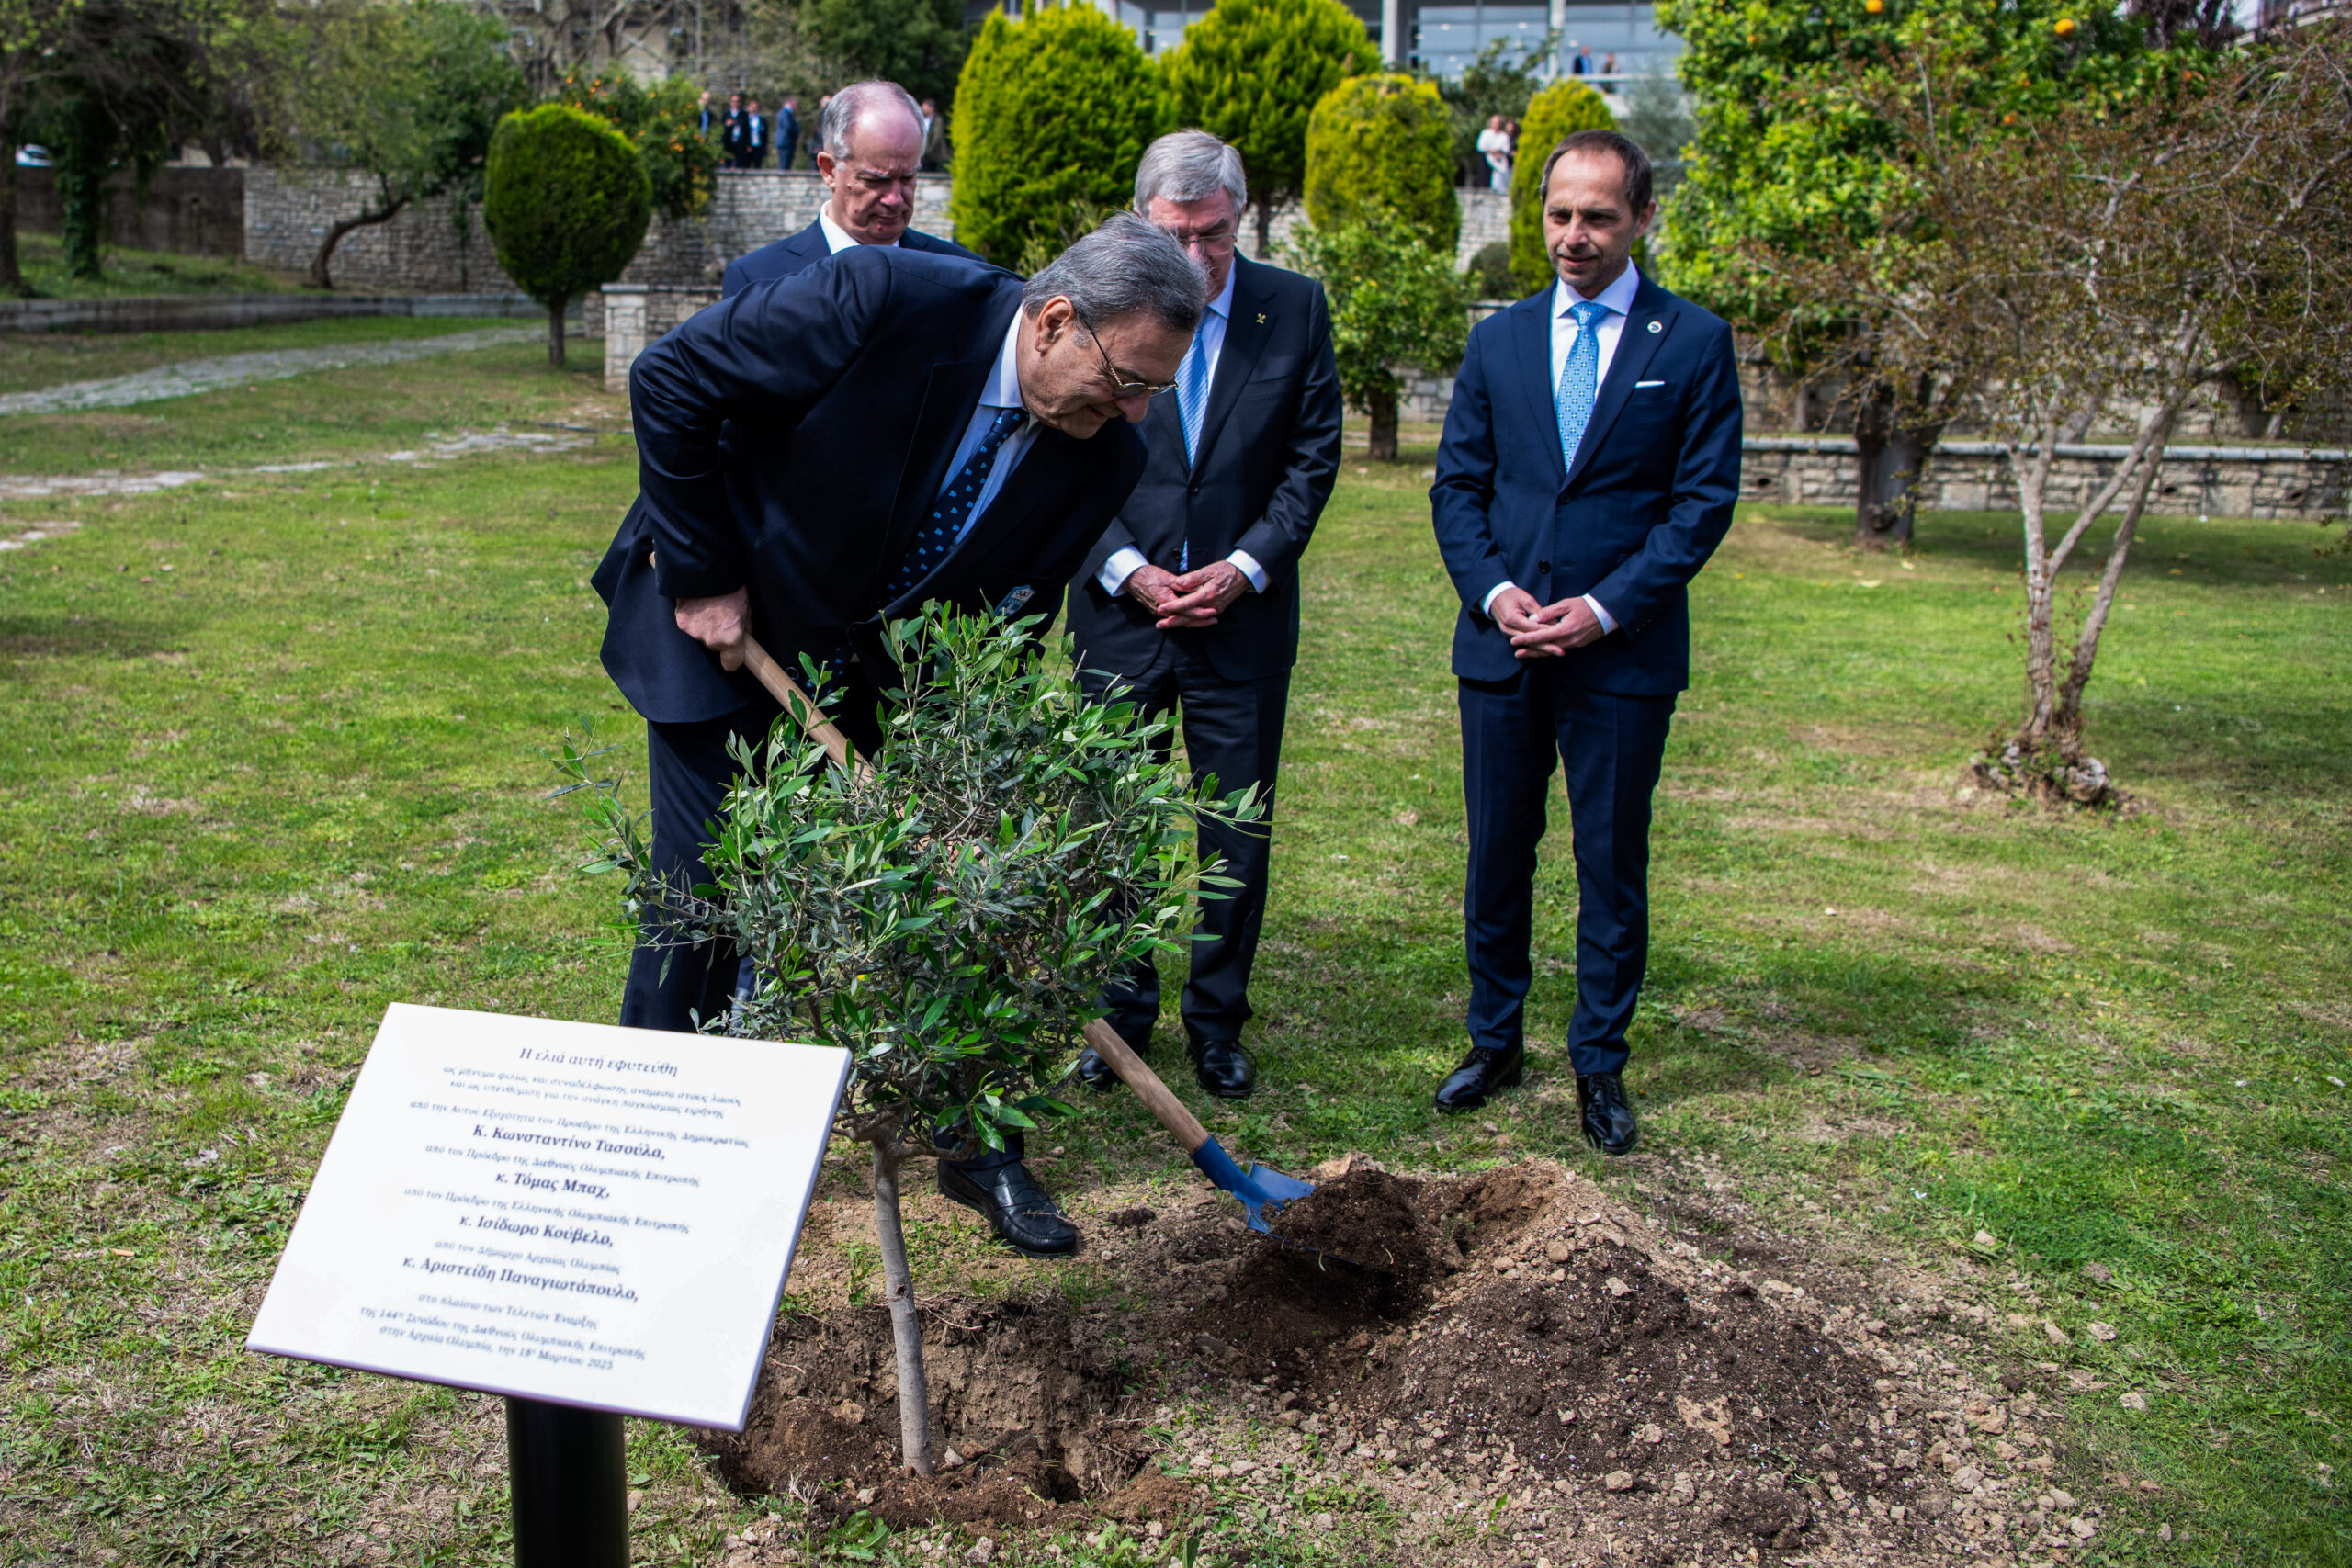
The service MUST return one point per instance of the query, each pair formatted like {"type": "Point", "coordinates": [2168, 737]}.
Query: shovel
{"type": "Point", "coordinates": [1260, 1188]}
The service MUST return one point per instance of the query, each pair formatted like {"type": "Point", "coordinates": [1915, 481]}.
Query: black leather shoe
{"type": "Point", "coordinates": [1096, 1074]}
{"type": "Point", "coordinates": [1608, 1115]}
{"type": "Point", "coordinates": [1223, 1068]}
{"type": "Point", "coordinates": [1483, 1072]}
{"type": "Point", "coordinates": [1018, 1209]}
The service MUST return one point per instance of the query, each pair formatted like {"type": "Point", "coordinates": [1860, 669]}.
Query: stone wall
{"type": "Point", "coordinates": [2305, 483]}
{"type": "Point", "coordinates": [1485, 217]}
{"type": "Point", "coordinates": [197, 212]}
{"type": "Point", "coordinates": [426, 249]}
{"type": "Point", "coordinates": [631, 315]}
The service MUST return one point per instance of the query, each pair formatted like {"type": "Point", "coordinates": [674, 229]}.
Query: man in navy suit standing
{"type": "Point", "coordinates": [871, 136]}
{"type": "Point", "coordinates": [1191, 596]}
{"type": "Point", "coordinates": [824, 451]}
{"type": "Point", "coordinates": [1589, 468]}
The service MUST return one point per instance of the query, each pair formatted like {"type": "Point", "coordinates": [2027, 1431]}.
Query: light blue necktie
{"type": "Point", "coordinates": [1580, 379]}
{"type": "Point", "coordinates": [1193, 390]}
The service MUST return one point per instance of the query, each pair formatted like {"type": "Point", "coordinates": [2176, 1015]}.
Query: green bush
{"type": "Point", "coordinates": [566, 204]}
{"type": "Point", "coordinates": [1052, 111]}
{"type": "Point", "coordinates": [1383, 144]}
{"type": "Point", "coordinates": [1252, 72]}
{"type": "Point", "coordinates": [1489, 271]}
{"type": "Point", "coordinates": [1558, 112]}
{"type": "Point", "coordinates": [1394, 301]}
{"type": "Point", "coordinates": [663, 124]}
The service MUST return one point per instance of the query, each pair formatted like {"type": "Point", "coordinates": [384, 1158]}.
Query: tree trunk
{"type": "Point", "coordinates": [555, 331]}
{"type": "Point", "coordinates": [1265, 230]}
{"type": "Point", "coordinates": [1891, 461]}
{"type": "Point", "coordinates": [1382, 407]}
{"type": "Point", "coordinates": [82, 203]}
{"type": "Point", "coordinates": [342, 226]}
{"type": "Point", "coordinates": [12, 276]}
{"type": "Point", "coordinates": [906, 1328]}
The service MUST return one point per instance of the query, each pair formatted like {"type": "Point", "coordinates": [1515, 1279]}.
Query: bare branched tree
{"type": "Point", "coordinates": [2110, 259]}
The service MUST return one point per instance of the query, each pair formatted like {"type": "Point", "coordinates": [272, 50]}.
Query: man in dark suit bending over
{"type": "Point", "coordinates": [902, 427]}
{"type": "Point", "coordinates": [1589, 468]}
{"type": "Point", "coordinates": [1191, 596]}
{"type": "Point", "coordinates": [872, 135]}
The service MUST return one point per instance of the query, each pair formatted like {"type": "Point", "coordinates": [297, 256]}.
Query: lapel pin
{"type": "Point", "coordinates": [1262, 318]}
{"type": "Point", "coordinates": [1656, 327]}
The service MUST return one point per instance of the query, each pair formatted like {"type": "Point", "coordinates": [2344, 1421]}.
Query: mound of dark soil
{"type": "Point", "coordinates": [1018, 1390]}
{"type": "Point", "coordinates": [1514, 1339]}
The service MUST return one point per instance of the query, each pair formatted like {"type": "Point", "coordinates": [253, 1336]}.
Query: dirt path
{"type": "Point", "coordinates": [465, 444]}
{"type": "Point", "coordinates": [192, 376]}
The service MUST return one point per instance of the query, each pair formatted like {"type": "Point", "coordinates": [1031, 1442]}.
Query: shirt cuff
{"type": "Point", "coordinates": [1118, 569]}
{"type": "Point", "coordinates": [1249, 566]}
{"type": "Point", "coordinates": [1608, 623]}
{"type": "Point", "coordinates": [1486, 606]}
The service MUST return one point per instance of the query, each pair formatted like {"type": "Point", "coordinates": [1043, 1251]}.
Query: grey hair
{"type": "Point", "coordinates": [1125, 267]}
{"type": "Point", "coordinates": [1189, 166]}
{"type": "Point", "coordinates": [845, 108]}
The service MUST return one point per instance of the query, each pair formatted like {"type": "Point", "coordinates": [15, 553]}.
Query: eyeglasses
{"type": "Point", "coordinates": [1121, 387]}
{"type": "Point", "coordinates": [1213, 241]}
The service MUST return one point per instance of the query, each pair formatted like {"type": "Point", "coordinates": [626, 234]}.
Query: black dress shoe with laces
{"type": "Point", "coordinates": [1018, 1209]}
{"type": "Point", "coordinates": [1607, 1115]}
{"type": "Point", "coordinates": [1223, 1068]}
{"type": "Point", "coordinates": [1095, 1073]}
{"type": "Point", "coordinates": [1483, 1072]}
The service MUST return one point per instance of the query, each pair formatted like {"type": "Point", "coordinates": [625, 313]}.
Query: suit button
{"type": "Point", "coordinates": [1544, 566]}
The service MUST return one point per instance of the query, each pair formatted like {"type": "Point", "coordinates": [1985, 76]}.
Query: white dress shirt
{"type": "Point", "coordinates": [838, 239]}
{"type": "Point", "coordinates": [1619, 298]}
{"type": "Point", "coordinates": [1003, 391]}
{"type": "Point", "coordinates": [1124, 560]}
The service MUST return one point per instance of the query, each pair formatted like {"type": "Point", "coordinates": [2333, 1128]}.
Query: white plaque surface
{"type": "Point", "coordinates": [570, 1212]}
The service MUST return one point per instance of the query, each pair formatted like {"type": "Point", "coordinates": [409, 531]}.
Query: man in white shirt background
{"type": "Point", "coordinates": [1191, 596]}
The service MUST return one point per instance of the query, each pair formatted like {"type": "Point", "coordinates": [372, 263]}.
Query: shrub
{"type": "Point", "coordinates": [566, 204]}
{"type": "Point", "coordinates": [1489, 271]}
{"type": "Point", "coordinates": [1558, 111]}
{"type": "Point", "coordinates": [947, 916]}
{"type": "Point", "coordinates": [1394, 301]}
{"type": "Point", "coordinates": [662, 123]}
{"type": "Point", "coordinates": [1382, 144]}
{"type": "Point", "coordinates": [1252, 72]}
{"type": "Point", "coordinates": [1051, 112]}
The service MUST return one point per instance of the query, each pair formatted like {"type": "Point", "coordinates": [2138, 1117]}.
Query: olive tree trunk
{"type": "Point", "coordinates": [384, 213]}
{"type": "Point", "coordinates": [555, 331]}
{"type": "Point", "coordinates": [1382, 408]}
{"type": "Point", "coordinates": [1892, 460]}
{"type": "Point", "coordinates": [906, 1324]}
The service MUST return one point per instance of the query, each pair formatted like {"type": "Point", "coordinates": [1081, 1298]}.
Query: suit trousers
{"type": "Point", "coordinates": [1233, 729]}
{"type": "Point", "coordinates": [689, 772]}
{"type": "Point", "coordinates": [1612, 747]}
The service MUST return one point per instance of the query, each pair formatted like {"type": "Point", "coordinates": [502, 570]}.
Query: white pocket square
{"type": "Point", "coordinates": [1639, 385]}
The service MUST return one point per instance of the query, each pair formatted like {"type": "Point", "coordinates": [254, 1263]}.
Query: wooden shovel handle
{"type": "Point", "coordinates": [800, 705]}
{"type": "Point", "coordinates": [1155, 1096]}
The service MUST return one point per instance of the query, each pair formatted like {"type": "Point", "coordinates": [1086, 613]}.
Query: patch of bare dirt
{"type": "Point", "coordinates": [1524, 1363]}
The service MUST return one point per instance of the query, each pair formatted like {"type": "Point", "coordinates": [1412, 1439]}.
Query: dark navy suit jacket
{"type": "Point", "coordinates": [1657, 475]}
{"type": "Point", "coordinates": [848, 388]}
{"type": "Point", "coordinates": [1268, 454]}
{"type": "Point", "coordinates": [797, 253]}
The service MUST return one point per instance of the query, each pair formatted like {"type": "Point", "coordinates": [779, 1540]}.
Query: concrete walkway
{"type": "Point", "coordinates": [212, 375]}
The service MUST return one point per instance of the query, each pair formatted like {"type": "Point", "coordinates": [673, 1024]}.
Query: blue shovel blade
{"type": "Point", "coordinates": [1260, 1189]}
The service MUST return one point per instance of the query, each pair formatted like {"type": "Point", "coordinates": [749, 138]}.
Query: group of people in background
{"type": "Point", "coordinates": [1499, 144]}
{"type": "Point", "coordinates": [1144, 434]}
{"type": "Point", "coordinates": [746, 135]}
{"type": "Point", "coordinates": [1581, 64]}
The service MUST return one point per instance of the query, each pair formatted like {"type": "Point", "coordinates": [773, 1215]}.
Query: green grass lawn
{"type": "Point", "coordinates": [270, 760]}
{"type": "Point", "coordinates": [41, 258]}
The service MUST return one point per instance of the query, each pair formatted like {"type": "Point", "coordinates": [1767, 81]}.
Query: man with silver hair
{"type": "Point", "coordinates": [1191, 596]}
{"type": "Point", "coordinates": [900, 428]}
{"type": "Point", "coordinates": [871, 143]}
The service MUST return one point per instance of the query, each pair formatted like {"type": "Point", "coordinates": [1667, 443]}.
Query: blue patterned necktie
{"type": "Point", "coordinates": [1193, 391]}
{"type": "Point", "coordinates": [953, 510]}
{"type": "Point", "coordinates": [1580, 379]}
